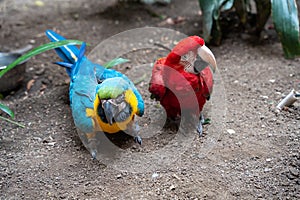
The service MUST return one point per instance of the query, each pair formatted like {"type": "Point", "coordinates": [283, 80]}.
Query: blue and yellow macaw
{"type": "Point", "coordinates": [102, 100]}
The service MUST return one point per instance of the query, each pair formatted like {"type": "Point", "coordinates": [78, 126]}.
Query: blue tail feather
{"type": "Point", "coordinates": [80, 56]}
{"type": "Point", "coordinates": [81, 51]}
{"type": "Point", "coordinates": [64, 64]}
{"type": "Point", "coordinates": [67, 53]}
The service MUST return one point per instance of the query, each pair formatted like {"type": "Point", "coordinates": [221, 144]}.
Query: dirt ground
{"type": "Point", "coordinates": [248, 151]}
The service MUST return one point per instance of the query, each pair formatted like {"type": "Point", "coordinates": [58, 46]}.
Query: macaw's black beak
{"type": "Point", "coordinates": [110, 111]}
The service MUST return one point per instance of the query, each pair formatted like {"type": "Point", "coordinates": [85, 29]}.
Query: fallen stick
{"type": "Point", "coordinates": [288, 100]}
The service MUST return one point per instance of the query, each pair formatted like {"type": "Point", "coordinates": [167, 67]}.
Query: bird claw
{"type": "Point", "coordinates": [200, 125]}
{"type": "Point", "coordinates": [200, 129]}
{"type": "Point", "coordinates": [92, 145]}
{"type": "Point", "coordinates": [201, 118]}
{"type": "Point", "coordinates": [94, 154]}
{"type": "Point", "coordinates": [135, 129]}
{"type": "Point", "coordinates": [138, 139]}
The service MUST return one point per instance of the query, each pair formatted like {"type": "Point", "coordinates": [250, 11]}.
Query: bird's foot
{"type": "Point", "coordinates": [138, 139]}
{"type": "Point", "coordinates": [135, 129]}
{"type": "Point", "coordinates": [94, 154]}
{"type": "Point", "coordinates": [200, 129]}
{"type": "Point", "coordinates": [202, 121]}
{"type": "Point", "coordinates": [92, 144]}
{"type": "Point", "coordinates": [201, 118]}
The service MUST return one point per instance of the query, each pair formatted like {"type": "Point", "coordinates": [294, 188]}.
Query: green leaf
{"type": "Point", "coordinates": [12, 122]}
{"type": "Point", "coordinates": [226, 5]}
{"type": "Point", "coordinates": [211, 12]}
{"type": "Point", "coordinates": [7, 110]}
{"type": "Point", "coordinates": [114, 62]}
{"type": "Point", "coordinates": [38, 50]}
{"type": "Point", "coordinates": [286, 21]}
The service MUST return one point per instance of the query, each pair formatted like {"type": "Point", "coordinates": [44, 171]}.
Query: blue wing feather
{"type": "Point", "coordinates": [80, 56]}
{"type": "Point", "coordinates": [88, 75]}
{"type": "Point", "coordinates": [64, 64]}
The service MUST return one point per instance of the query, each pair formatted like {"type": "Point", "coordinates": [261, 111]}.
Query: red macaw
{"type": "Point", "coordinates": [181, 82]}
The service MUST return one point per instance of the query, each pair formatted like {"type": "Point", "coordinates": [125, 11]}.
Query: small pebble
{"type": "Point", "coordinates": [51, 143]}
{"type": "Point", "coordinates": [294, 171]}
{"type": "Point", "coordinates": [230, 131]}
{"type": "Point", "coordinates": [155, 175]}
{"type": "Point", "coordinates": [175, 176]}
{"type": "Point", "coordinates": [32, 41]}
{"type": "Point", "coordinates": [172, 187]}
{"type": "Point", "coordinates": [119, 176]}
{"type": "Point", "coordinates": [267, 169]}
{"type": "Point", "coordinates": [39, 3]}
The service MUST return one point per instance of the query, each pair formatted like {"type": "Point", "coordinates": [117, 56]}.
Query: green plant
{"type": "Point", "coordinates": [114, 62]}
{"type": "Point", "coordinates": [39, 50]}
{"type": "Point", "coordinates": [211, 12]}
{"type": "Point", "coordinates": [284, 15]}
{"type": "Point", "coordinates": [35, 51]}
{"type": "Point", "coordinates": [7, 110]}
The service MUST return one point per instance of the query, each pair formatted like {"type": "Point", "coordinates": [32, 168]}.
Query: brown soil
{"type": "Point", "coordinates": [46, 160]}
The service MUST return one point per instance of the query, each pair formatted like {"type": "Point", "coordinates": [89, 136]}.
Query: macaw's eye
{"type": "Point", "coordinates": [188, 67]}
{"type": "Point", "coordinates": [120, 99]}
{"type": "Point", "coordinates": [122, 105]}
{"type": "Point", "coordinates": [124, 112]}
{"type": "Point", "coordinates": [99, 81]}
{"type": "Point", "coordinates": [190, 57]}
{"type": "Point", "coordinates": [188, 61]}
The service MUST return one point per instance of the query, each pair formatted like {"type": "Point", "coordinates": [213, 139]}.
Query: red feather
{"type": "Point", "coordinates": [179, 90]}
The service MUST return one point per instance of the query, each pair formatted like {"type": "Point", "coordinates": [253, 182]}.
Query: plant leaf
{"type": "Point", "coordinates": [114, 62]}
{"type": "Point", "coordinates": [7, 110]}
{"type": "Point", "coordinates": [12, 122]}
{"type": "Point", "coordinates": [226, 5]}
{"type": "Point", "coordinates": [38, 50]}
{"type": "Point", "coordinates": [285, 18]}
{"type": "Point", "coordinates": [211, 11]}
